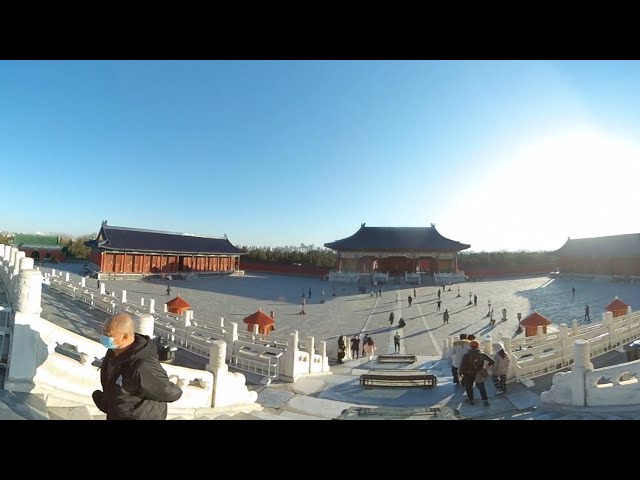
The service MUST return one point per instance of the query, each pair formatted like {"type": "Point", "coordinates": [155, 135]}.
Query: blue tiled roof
{"type": "Point", "coordinates": [139, 240]}
{"type": "Point", "coordinates": [397, 238]}
{"type": "Point", "coordinates": [612, 246]}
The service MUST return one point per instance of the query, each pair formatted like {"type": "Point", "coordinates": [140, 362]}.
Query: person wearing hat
{"type": "Point", "coordinates": [472, 369]}
{"type": "Point", "coordinates": [500, 368]}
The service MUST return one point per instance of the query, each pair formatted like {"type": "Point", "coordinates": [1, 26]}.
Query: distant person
{"type": "Point", "coordinates": [573, 291]}
{"type": "Point", "coordinates": [396, 343]}
{"type": "Point", "coordinates": [470, 301]}
{"type": "Point", "coordinates": [409, 299]}
{"type": "Point", "coordinates": [98, 283]}
{"type": "Point", "coordinates": [342, 348]}
{"type": "Point", "coordinates": [402, 323]}
{"type": "Point", "coordinates": [445, 317]}
{"type": "Point", "coordinates": [475, 300]}
{"type": "Point", "coordinates": [168, 290]}
{"type": "Point", "coordinates": [391, 317]}
{"type": "Point", "coordinates": [438, 294]}
{"type": "Point", "coordinates": [415, 294]}
{"type": "Point", "coordinates": [587, 318]}
{"type": "Point", "coordinates": [309, 294]}
{"type": "Point", "coordinates": [134, 384]}
{"type": "Point", "coordinates": [438, 305]}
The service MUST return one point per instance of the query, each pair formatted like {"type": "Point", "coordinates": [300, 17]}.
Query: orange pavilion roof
{"type": "Point", "coordinates": [535, 320]}
{"type": "Point", "coordinates": [617, 304]}
{"type": "Point", "coordinates": [178, 302]}
{"type": "Point", "coordinates": [259, 318]}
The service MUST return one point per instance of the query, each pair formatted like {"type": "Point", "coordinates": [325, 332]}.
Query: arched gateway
{"type": "Point", "coordinates": [396, 251]}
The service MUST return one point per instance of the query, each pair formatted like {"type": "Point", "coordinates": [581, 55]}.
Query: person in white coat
{"type": "Point", "coordinates": [460, 347]}
{"type": "Point", "coordinates": [500, 368]}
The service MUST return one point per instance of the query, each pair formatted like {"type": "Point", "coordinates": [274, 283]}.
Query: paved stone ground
{"type": "Point", "coordinates": [350, 312]}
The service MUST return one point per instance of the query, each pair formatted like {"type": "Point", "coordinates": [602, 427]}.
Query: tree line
{"type": "Point", "coordinates": [314, 258]}
{"type": "Point", "coordinates": [505, 259]}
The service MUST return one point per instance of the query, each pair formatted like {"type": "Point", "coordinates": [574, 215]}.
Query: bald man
{"type": "Point", "coordinates": [134, 384]}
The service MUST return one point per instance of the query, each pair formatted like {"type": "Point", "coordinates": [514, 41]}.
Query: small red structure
{"type": "Point", "coordinates": [178, 305]}
{"type": "Point", "coordinates": [265, 322]}
{"type": "Point", "coordinates": [532, 322]}
{"type": "Point", "coordinates": [617, 307]}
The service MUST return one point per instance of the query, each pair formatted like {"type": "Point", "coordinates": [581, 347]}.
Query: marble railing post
{"type": "Point", "coordinates": [607, 322]}
{"type": "Point", "coordinates": [152, 305]}
{"type": "Point", "coordinates": [232, 338]}
{"type": "Point", "coordinates": [103, 289]}
{"type": "Point", "coordinates": [144, 324]}
{"type": "Point", "coordinates": [311, 350]}
{"type": "Point", "coordinates": [222, 322]}
{"type": "Point", "coordinates": [217, 366]}
{"type": "Point", "coordinates": [27, 350]}
{"type": "Point", "coordinates": [164, 308]}
{"type": "Point", "coordinates": [565, 342]}
{"type": "Point", "coordinates": [288, 367]}
{"type": "Point", "coordinates": [574, 327]}
{"type": "Point", "coordinates": [325, 360]}
{"type": "Point", "coordinates": [445, 348]}
{"type": "Point", "coordinates": [254, 329]}
{"type": "Point", "coordinates": [540, 335]}
{"type": "Point", "coordinates": [142, 301]}
{"type": "Point", "coordinates": [578, 373]}
{"type": "Point", "coordinates": [629, 310]}
{"type": "Point", "coordinates": [83, 282]}
{"type": "Point", "coordinates": [66, 277]}
{"type": "Point", "coordinates": [124, 296]}
{"type": "Point", "coordinates": [487, 345]}
{"type": "Point", "coordinates": [186, 322]}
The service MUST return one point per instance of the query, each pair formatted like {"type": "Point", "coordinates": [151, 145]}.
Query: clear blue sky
{"type": "Point", "coordinates": [498, 154]}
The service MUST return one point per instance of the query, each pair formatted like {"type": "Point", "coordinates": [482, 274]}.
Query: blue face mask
{"type": "Point", "coordinates": [108, 342]}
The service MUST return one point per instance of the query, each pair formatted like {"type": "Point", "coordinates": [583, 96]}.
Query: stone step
{"type": "Point", "coordinates": [20, 405]}
{"type": "Point", "coordinates": [70, 413]}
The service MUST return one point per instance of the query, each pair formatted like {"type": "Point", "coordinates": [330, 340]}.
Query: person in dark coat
{"type": "Point", "coordinates": [391, 317]}
{"type": "Point", "coordinates": [134, 384]}
{"type": "Point", "coordinates": [473, 362]}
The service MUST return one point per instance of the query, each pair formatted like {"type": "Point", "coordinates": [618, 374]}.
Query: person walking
{"type": "Point", "coordinates": [355, 347]}
{"type": "Point", "coordinates": [438, 294]}
{"type": "Point", "coordinates": [459, 349]}
{"type": "Point", "coordinates": [396, 343]}
{"type": "Point", "coordinates": [438, 306]}
{"type": "Point", "coordinates": [475, 300]}
{"type": "Point", "coordinates": [573, 291]}
{"type": "Point", "coordinates": [415, 295]}
{"type": "Point", "coordinates": [168, 290]}
{"type": "Point", "coordinates": [472, 369]}
{"type": "Point", "coordinates": [445, 317]}
{"type": "Point", "coordinates": [391, 317]}
{"type": "Point", "coordinates": [134, 384]}
{"type": "Point", "coordinates": [342, 346]}
{"type": "Point", "coordinates": [409, 299]}
{"type": "Point", "coordinates": [370, 348]}
{"type": "Point", "coordinates": [500, 368]}
{"type": "Point", "coordinates": [587, 318]}
{"type": "Point", "coordinates": [365, 339]}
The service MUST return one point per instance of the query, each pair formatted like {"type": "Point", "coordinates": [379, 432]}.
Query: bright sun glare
{"type": "Point", "coordinates": [577, 184]}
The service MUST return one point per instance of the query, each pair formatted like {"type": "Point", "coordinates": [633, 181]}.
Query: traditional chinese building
{"type": "Point", "coordinates": [397, 250]}
{"type": "Point", "coordinates": [131, 251]}
{"type": "Point", "coordinates": [616, 255]}
{"type": "Point", "coordinates": [39, 247]}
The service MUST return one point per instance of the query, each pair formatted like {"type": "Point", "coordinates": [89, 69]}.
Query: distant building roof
{"type": "Point", "coordinates": [397, 238]}
{"type": "Point", "coordinates": [612, 246]}
{"type": "Point", "coordinates": [535, 320]}
{"type": "Point", "coordinates": [37, 242]}
{"type": "Point", "coordinates": [139, 240]}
